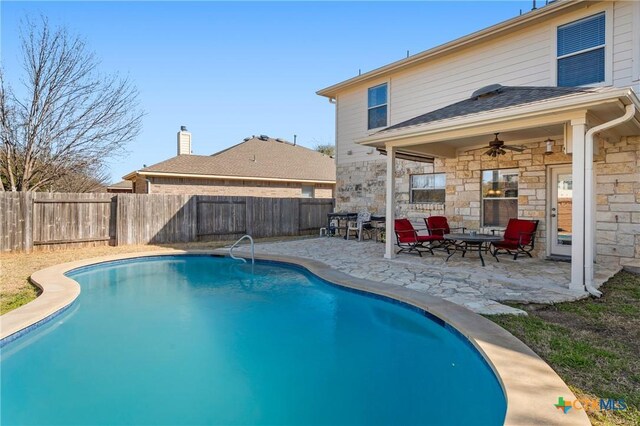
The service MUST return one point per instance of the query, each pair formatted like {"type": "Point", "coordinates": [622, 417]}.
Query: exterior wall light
{"type": "Point", "coordinates": [549, 149]}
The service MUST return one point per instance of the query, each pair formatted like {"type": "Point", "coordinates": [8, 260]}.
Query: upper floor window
{"type": "Point", "coordinates": [581, 51]}
{"type": "Point", "coordinates": [377, 106]}
{"type": "Point", "coordinates": [428, 188]}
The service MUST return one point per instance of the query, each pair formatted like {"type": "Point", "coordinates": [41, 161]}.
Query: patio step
{"type": "Point", "coordinates": [632, 266]}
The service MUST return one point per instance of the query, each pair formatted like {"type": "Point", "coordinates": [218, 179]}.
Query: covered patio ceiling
{"type": "Point", "coordinates": [526, 122]}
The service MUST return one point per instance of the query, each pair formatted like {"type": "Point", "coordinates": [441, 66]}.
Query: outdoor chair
{"type": "Point", "coordinates": [360, 226]}
{"type": "Point", "coordinates": [519, 238]}
{"type": "Point", "coordinates": [409, 241]}
{"type": "Point", "coordinates": [439, 225]}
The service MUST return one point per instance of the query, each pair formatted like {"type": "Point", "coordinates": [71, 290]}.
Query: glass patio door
{"type": "Point", "coordinates": [561, 203]}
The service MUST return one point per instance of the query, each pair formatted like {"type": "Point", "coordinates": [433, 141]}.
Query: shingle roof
{"type": "Point", "coordinates": [505, 97]}
{"type": "Point", "coordinates": [123, 184]}
{"type": "Point", "coordinates": [255, 158]}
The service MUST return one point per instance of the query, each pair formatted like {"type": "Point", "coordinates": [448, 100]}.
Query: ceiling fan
{"type": "Point", "coordinates": [497, 147]}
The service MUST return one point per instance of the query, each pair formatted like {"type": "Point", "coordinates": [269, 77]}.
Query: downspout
{"type": "Point", "coordinates": [590, 209]}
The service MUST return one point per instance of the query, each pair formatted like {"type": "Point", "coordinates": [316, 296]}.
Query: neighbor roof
{"type": "Point", "coordinates": [502, 97]}
{"type": "Point", "coordinates": [123, 184]}
{"type": "Point", "coordinates": [253, 158]}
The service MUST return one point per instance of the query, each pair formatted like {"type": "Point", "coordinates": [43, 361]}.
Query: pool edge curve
{"type": "Point", "coordinates": [530, 385]}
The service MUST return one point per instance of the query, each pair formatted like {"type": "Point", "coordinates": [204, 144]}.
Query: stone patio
{"type": "Point", "coordinates": [461, 280]}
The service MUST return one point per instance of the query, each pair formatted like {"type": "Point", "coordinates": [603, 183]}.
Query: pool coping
{"type": "Point", "coordinates": [530, 385]}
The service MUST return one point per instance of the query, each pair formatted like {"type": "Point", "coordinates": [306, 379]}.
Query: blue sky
{"type": "Point", "coordinates": [231, 70]}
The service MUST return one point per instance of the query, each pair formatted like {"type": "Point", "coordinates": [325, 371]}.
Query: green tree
{"type": "Point", "coordinates": [326, 149]}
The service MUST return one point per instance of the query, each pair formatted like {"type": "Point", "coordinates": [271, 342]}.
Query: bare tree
{"type": "Point", "coordinates": [70, 118]}
{"type": "Point", "coordinates": [92, 180]}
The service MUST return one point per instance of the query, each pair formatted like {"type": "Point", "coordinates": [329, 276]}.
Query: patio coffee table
{"type": "Point", "coordinates": [466, 242]}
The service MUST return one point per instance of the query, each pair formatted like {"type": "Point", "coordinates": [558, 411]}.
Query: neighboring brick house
{"type": "Point", "coordinates": [122, 187]}
{"type": "Point", "coordinates": [259, 167]}
{"type": "Point", "coordinates": [569, 74]}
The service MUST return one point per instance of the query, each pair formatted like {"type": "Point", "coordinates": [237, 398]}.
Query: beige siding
{"type": "Point", "coordinates": [623, 44]}
{"type": "Point", "coordinates": [525, 57]}
{"type": "Point", "coordinates": [234, 188]}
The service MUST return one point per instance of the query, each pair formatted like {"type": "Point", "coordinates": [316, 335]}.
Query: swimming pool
{"type": "Point", "coordinates": [205, 340]}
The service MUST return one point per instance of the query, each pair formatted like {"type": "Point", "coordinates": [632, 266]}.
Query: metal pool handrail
{"type": "Point", "coordinates": [241, 258]}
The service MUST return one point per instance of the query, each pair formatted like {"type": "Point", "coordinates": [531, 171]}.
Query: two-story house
{"type": "Point", "coordinates": [536, 117]}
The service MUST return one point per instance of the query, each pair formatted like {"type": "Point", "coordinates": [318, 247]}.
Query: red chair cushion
{"type": "Point", "coordinates": [407, 234]}
{"type": "Point", "coordinates": [517, 228]}
{"type": "Point", "coordinates": [404, 231]}
{"type": "Point", "coordinates": [438, 225]}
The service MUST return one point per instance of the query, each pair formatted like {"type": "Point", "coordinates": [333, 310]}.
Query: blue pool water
{"type": "Point", "coordinates": [203, 340]}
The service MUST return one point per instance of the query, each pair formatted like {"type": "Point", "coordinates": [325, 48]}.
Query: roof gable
{"type": "Point", "coordinates": [254, 158]}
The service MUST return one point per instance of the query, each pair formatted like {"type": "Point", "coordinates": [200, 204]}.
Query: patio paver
{"type": "Point", "coordinates": [461, 280]}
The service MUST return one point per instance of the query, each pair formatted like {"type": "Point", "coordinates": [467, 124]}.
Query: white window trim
{"type": "Point", "coordinates": [388, 104]}
{"type": "Point", "coordinates": [608, 45]}
{"type": "Point", "coordinates": [411, 189]}
{"type": "Point", "coordinates": [580, 52]}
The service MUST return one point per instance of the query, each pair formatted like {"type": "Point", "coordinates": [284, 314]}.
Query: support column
{"type": "Point", "coordinates": [589, 212]}
{"type": "Point", "coordinates": [579, 127]}
{"type": "Point", "coordinates": [389, 251]}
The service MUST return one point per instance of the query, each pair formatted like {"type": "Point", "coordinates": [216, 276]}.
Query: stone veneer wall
{"type": "Point", "coordinates": [362, 186]}
{"type": "Point", "coordinates": [618, 201]}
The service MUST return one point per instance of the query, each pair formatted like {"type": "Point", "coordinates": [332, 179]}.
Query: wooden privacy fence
{"type": "Point", "coordinates": [47, 220]}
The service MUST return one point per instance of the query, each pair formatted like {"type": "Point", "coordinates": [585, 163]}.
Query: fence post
{"type": "Point", "coordinates": [26, 199]}
{"type": "Point", "coordinates": [249, 216]}
{"type": "Point", "coordinates": [116, 220]}
{"type": "Point", "coordinates": [193, 203]}
{"type": "Point", "coordinates": [299, 216]}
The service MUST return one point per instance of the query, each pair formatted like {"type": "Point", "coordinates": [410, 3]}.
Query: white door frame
{"type": "Point", "coordinates": [552, 172]}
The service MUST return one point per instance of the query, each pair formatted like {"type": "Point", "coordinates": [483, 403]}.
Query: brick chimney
{"type": "Point", "coordinates": [184, 141]}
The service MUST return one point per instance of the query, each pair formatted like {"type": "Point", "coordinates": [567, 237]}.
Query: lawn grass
{"type": "Point", "coordinates": [593, 344]}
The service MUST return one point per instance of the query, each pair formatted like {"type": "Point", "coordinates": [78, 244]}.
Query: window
{"type": "Point", "coordinates": [429, 188]}
{"type": "Point", "coordinates": [499, 196]}
{"type": "Point", "coordinates": [581, 51]}
{"type": "Point", "coordinates": [377, 106]}
{"type": "Point", "coordinates": [307, 191]}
